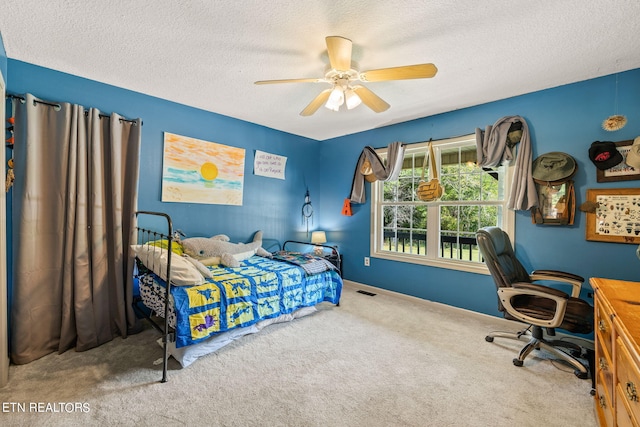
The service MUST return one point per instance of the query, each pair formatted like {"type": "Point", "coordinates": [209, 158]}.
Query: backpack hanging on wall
{"type": "Point", "coordinates": [432, 190]}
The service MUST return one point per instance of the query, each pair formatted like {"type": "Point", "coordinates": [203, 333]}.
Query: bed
{"type": "Point", "coordinates": [209, 309]}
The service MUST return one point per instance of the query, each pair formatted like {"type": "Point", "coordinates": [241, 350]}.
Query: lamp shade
{"type": "Point", "coordinates": [336, 99]}
{"type": "Point", "coordinates": [318, 237]}
{"type": "Point", "coordinates": [352, 99]}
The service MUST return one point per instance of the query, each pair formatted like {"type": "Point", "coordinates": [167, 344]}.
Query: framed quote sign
{"type": "Point", "coordinates": [616, 217]}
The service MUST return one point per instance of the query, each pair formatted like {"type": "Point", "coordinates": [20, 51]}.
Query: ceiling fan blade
{"type": "Point", "coordinates": [418, 71]}
{"type": "Point", "coordinates": [317, 102]}
{"type": "Point", "coordinates": [370, 99]}
{"type": "Point", "coordinates": [339, 50]}
{"type": "Point", "coordinates": [267, 82]}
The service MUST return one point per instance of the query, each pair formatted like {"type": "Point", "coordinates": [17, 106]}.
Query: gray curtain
{"type": "Point", "coordinates": [73, 202]}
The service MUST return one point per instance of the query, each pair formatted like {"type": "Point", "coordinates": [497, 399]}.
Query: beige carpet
{"type": "Point", "coordinates": [373, 361]}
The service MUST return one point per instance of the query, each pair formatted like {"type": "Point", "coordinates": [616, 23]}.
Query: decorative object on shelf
{"type": "Point", "coordinates": [616, 217]}
{"type": "Point", "coordinates": [307, 211]}
{"type": "Point", "coordinates": [318, 237]}
{"type": "Point", "coordinates": [623, 171]}
{"type": "Point", "coordinates": [552, 173]}
{"type": "Point", "coordinates": [616, 121]}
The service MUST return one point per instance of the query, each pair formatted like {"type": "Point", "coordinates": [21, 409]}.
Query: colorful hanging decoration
{"type": "Point", "coordinates": [10, 175]}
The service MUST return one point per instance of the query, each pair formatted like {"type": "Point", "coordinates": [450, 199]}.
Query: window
{"type": "Point", "coordinates": [440, 233]}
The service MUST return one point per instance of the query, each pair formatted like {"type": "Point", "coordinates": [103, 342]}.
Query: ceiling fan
{"type": "Point", "coordinates": [341, 76]}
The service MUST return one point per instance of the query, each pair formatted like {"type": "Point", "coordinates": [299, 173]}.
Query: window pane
{"type": "Point", "coordinates": [390, 190]}
{"type": "Point", "coordinates": [469, 218]}
{"type": "Point", "coordinates": [405, 189]}
{"type": "Point", "coordinates": [420, 217]}
{"type": "Point", "coordinates": [490, 216]}
{"type": "Point", "coordinates": [448, 218]}
{"type": "Point", "coordinates": [470, 185]}
{"type": "Point", "coordinates": [451, 184]}
{"type": "Point", "coordinates": [389, 216]}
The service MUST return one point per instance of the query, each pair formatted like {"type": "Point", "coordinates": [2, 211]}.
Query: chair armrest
{"type": "Point", "coordinates": [560, 298]}
{"type": "Point", "coordinates": [560, 276]}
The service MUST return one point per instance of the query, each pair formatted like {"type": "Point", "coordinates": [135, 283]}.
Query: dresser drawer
{"type": "Point", "coordinates": [605, 368]}
{"type": "Point", "coordinates": [604, 326]}
{"type": "Point", "coordinates": [604, 405]}
{"type": "Point", "coordinates": [624, 418]}
{"type": "Point", "coordinates": [628, 379]}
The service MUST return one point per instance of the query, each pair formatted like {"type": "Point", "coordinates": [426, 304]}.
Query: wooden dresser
{"type": "Point", "coordinates": [617, 342]}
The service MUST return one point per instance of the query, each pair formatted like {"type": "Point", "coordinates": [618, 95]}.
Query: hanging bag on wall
{"type": "Point", "coordinates": [429, 191]}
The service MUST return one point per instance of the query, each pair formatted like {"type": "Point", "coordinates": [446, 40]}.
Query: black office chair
{"type": "Point", "coordinates": [541, 307]}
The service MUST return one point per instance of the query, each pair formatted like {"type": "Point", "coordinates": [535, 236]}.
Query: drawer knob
{"type": "Point", "coordinates": [631, 392]}
{"type": "Point", "coordinates": [603, 403]}
{"type": "Point", "coordinates": [603, 364]}
{"type": "Point", "coordinates": [602, 326]}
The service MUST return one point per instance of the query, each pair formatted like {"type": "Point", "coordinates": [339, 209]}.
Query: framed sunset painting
{"type": "Point", "coordinates": [197, 171]}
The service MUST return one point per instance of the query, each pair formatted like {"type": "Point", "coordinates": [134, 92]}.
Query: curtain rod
{"type": "Point", "coordinates": [429, 140]}
{"type": "Point", "coordinates": [52, 104]}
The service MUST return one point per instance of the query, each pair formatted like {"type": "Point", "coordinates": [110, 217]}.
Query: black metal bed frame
{"type": "Point", "coordinates": [145, 235]}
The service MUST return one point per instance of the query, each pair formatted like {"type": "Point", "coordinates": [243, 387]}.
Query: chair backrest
{"type": "Point", "coordinates": [498, 254]}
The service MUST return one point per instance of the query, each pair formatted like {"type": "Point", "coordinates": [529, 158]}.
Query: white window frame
{"type": "Point", "coordinates": [433, 217]}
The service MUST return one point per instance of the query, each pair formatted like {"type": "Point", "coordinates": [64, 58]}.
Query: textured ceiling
{"type": "Point", "coordinates": [208, 53]}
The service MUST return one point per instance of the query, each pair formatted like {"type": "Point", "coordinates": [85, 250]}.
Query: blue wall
{"type": "Point", "coordinates": [567, 118]}
{"type": "Point", "coordinates": [271, 205]}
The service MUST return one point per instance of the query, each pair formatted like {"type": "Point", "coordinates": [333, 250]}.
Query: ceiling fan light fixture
{"type": "Point", "coordinates": [332, 107]}
{"type": "Point", "coordinates": [336, 99]}
{"type": "Point", "coordinates": [352, 99]}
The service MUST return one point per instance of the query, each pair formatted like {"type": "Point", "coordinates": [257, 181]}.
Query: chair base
{"type": "Point", "coordinates": [537, 342]}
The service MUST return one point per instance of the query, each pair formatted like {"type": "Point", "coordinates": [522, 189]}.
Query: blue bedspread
{"type": "Point", "coordinates": [260, 288]}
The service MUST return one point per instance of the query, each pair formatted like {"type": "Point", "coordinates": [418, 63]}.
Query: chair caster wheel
{"type": "Point", "coordinates": [581, 375]}
{"type": "Point", "coordinates": [488, 338]}
{"type": "Point", "coordinates": [592, 392]}
{"type": "Point", "coordinates": [518, 362]}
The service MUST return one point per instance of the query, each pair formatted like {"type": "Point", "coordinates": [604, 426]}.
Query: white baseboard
{"type": "Point", "coordinates": [507, 323]}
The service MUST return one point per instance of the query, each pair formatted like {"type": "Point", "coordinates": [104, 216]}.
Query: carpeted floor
{"type": "Point", "coordinates": [372, 361]}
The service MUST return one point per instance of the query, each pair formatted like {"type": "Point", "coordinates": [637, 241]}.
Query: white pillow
{"type": "Point", "coordinates": [200, 266]}
{"type": "Point", "coordinates": [183, 273]}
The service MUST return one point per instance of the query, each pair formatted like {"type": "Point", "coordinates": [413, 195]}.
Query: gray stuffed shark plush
{"type": "Point", "coordinates": [219, 250]}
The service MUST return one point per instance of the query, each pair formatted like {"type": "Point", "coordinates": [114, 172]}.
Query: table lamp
{"type": "Point", "coordinates": [318, 237]}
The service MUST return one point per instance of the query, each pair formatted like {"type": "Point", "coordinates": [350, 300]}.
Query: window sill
{"type": "Point", "coordinates": [439, 263]}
